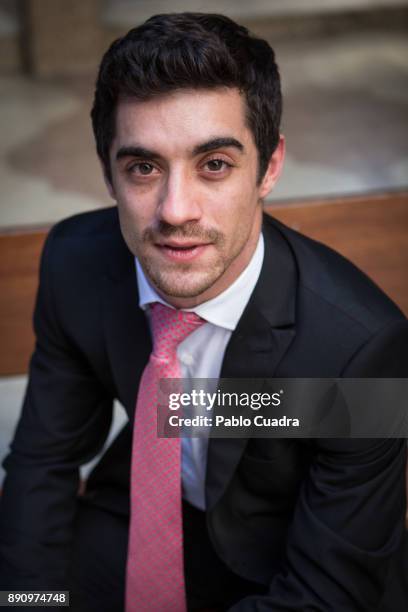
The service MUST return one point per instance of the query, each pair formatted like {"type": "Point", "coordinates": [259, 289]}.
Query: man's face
{"type": "Point", "coordinates": [184, 174]}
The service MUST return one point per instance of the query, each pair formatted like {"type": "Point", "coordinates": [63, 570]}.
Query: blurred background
{"type": "Point", "coordinates": [344, 67]}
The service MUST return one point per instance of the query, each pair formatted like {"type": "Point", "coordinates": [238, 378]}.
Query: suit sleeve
{"type": "Point", "coordinates": [349, 518]}
{"type": "Point", "coordinates": [64, 422]}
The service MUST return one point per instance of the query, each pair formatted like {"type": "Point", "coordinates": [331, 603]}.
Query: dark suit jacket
{"type": "Point", "coordinates": [318, 520]}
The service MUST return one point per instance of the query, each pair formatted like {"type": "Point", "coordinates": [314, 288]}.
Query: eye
{"type": "Point", "coordinates": [142, 168]}
{"type": "Point", "coordinates": [216, 166]}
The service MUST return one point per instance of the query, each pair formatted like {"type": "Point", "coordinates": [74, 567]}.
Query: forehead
{"type": "Point", "coordinates": [180, 120]}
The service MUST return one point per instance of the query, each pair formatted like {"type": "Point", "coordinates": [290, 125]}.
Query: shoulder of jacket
{"type": "Point", "coordinates": [92, 223]}
{"type": "Point", "coordinates": [330, 278]}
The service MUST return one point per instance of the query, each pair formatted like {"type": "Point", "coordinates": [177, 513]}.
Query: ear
{"type": "Point", "coordinates": [108, 182]}
{"type": "Point", "coordinates": [274, 169]}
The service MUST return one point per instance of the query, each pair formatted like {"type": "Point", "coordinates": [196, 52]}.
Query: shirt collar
{"type": "Point", "coordinates": [225, 309]}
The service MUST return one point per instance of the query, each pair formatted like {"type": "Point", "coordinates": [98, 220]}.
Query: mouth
{"type": "Point", "coordinates": [182, 251]}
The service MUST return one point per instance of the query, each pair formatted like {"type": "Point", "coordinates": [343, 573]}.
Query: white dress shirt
{"type": "Point", "coordinates": [201, 354]}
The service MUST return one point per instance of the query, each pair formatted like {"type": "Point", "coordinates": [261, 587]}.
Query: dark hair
{"type": "Point", "coordinates": [183, 50]}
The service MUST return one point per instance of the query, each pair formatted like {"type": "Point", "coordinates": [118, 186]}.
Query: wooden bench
{"type": "Point", "coordinates": [370, 230]}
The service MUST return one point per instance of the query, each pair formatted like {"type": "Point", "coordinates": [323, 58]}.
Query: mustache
{"type": "Point", "coordinates": [191, 229]}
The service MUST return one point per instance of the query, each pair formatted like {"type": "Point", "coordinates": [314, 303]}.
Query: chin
{"type": "Point", "coordinates": [185, 285]}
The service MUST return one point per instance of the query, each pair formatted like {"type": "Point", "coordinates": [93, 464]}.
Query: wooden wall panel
{"type": "Point", "coordinates": [19, 260]}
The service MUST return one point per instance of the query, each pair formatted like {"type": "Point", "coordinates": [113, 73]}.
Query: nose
{"type": "Point", "coordinates": [178, 202]}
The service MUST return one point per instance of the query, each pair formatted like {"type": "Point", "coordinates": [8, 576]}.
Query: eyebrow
{"type": "Point", "coordinates": [135, 151]}
{"type": "Point", "coordinates": [218, 143]}
{"type": "Point", "coordinates": [205, 147]}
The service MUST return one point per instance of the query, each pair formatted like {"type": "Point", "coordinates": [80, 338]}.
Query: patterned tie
{"type": "Point", "coordinates": [155, 569]}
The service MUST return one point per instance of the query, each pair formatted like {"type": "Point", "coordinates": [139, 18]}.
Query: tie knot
{"type": "Point", "coordinates": [170, 327]}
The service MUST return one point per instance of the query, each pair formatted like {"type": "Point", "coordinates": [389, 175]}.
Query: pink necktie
{"type": "Point", "coordinates": [155, 568]}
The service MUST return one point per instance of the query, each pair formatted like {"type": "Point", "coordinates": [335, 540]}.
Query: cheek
{"type": "Point", "coordinates": [136, 209]}
{"type": "Point", "coordinates": [131, 224]}
{"type": "Point", "coordinates": [238, 210]}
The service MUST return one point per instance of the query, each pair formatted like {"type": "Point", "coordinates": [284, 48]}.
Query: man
{"type": "Point", "coordinates": [186, 119]}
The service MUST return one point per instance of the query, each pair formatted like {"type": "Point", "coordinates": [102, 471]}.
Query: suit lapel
{"type": "Point", "coordinates": [127, 334]}
{"type": "Point", "coordinates": [261, 338]}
